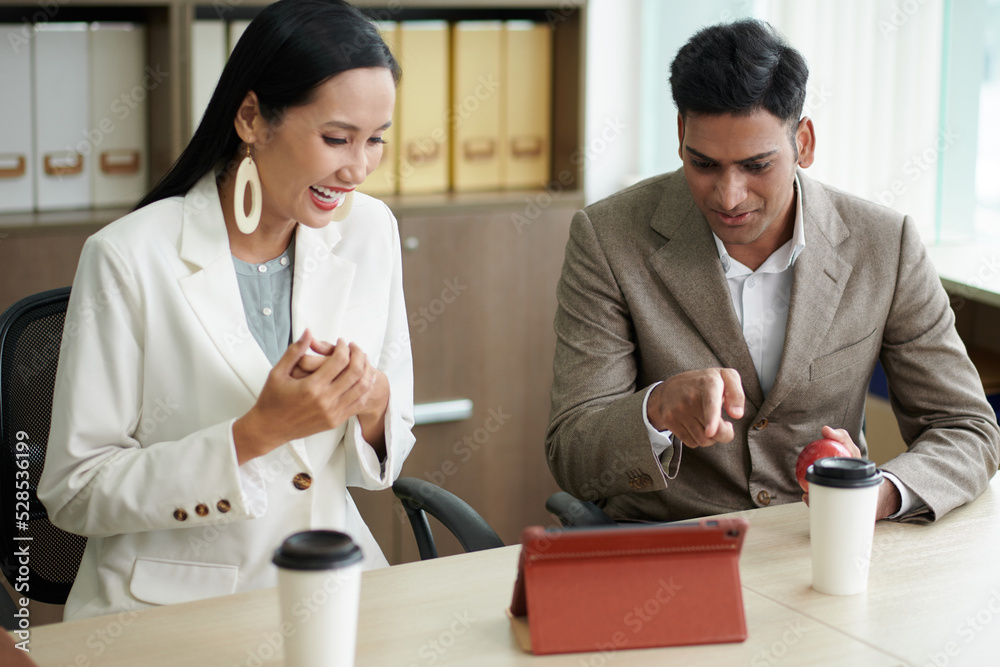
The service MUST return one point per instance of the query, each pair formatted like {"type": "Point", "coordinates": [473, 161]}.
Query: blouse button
{"type": "Point", "coordinates": [284, 261]}
{"type": "Point", "coordinates": [267, 312]}
{"type": "Point", "coordinates": [262, 268]}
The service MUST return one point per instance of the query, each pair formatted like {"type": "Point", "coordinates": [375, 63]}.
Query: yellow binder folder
{"type": "Point", "coordinates": [422, 100]}
{"type": "Point", "coordinates": [383, 180]}
{"type": "Point", "coordinates": [477, 99]}
{"type": "Point", "coordinates": [526, 154]}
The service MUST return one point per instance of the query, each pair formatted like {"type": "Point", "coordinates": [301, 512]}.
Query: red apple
{"type": "Point", "coordinates": [815, 450]}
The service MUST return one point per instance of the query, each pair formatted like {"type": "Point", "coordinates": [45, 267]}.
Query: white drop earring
{"type": "Point", "coordinates": [247, 174]}
{"type": "Point", "coordinates": [344, 209]}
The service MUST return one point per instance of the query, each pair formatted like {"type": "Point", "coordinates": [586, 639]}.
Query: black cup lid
{"type": "Point", "coordinates": [843, 472]}
{"type": "Point", "coordinates": [317, 550]}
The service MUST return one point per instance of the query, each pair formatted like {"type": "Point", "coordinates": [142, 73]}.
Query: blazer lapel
{"type": "Point", "coordinates": [321, 288]}
{"type": "Point", "coordinates": [212, 290]}
{"type": "Point", "coordinates": [820, 277]}
{"type": "Point", "coordinates": [689, 265]}
{"type": "Point", "coordinates": [321, 284]}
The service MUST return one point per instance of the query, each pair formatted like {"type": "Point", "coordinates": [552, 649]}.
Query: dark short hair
{"type": "Point", "coordinates": [286, 52]}
{"type": "Point", "coordinates": [739, 68]}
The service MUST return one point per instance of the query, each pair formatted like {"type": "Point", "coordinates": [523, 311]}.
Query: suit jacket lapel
{"type": "Point", "coordinates": [212, 290]}
{"type": "Point", "coordinates": [820, 277]}
{"type": "Point", "coordinates": [689, 265]}
{"type": "Point", "coordinates": [321, 283]}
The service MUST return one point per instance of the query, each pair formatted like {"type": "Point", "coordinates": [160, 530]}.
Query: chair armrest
{"type": "Point", "coordinates": [471, 530]}
{"type": "Point", "coordinates": [575, 512]}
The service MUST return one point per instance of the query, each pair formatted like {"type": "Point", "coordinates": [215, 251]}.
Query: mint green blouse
{"type": "Point", "coordinates": [266, 289]}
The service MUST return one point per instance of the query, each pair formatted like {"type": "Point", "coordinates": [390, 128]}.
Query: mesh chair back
{"type": "Point", "coordinates": [30, 338]}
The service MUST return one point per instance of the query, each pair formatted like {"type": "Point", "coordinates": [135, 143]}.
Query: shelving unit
{"type": "Point", "coordinates": [493, 345]}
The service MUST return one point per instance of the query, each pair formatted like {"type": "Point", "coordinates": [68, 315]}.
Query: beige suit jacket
{"type": "Point", "coordinates": [643, 296]}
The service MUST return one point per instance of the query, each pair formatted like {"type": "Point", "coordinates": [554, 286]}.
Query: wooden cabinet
{"type": "Point", "coordinates": [480, 293]}
{"type": "Point", "coordinates": [480, 269]}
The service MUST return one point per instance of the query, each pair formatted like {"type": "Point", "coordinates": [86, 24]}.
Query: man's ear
{"type": "Point", "coordinates": [250, 124]}
{"type": "Point", "coordinates": [680, 137]}
{"type": "Point", "coordinates": [805, 142]}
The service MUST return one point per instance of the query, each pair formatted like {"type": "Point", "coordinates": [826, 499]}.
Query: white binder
{"type": "Point", "coordinates": [208, 57]}
{"type": "Point", "coordinates": [119, 90]}
{"type": "Point", "coordinates": [17, 163]}
{"type": "Point", "coordinates": [65, 144]}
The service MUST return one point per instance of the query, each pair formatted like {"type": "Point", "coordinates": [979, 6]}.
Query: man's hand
{"type": "Point", "coordinates": [889, 500]}
{"type": "Point", "coordinates": [690, 405]}
{"type": "Point", "coordinates": [843, 437]}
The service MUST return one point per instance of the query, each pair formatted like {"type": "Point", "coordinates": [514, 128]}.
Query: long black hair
{"type": "Point", "coordinates": [289, 49]}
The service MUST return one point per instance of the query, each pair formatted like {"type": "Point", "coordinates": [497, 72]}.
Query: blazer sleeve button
{"type": "Point", "coordinates": [201, 509]}
{"type": "Point", "coordinates": [223, 506]}
{"type": "Point", "coordinates": [302, 481]}
{"type": "Point", "coordinates": [180, 514]}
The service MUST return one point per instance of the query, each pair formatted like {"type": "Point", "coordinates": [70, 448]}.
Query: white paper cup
{"type": "Point", "coordinates": [843, 497]}
{"type": "Point", "coordinates": [319, 587]}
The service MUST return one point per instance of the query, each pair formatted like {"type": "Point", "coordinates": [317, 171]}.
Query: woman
{"type": "Point", "coordinates": [188, 436]}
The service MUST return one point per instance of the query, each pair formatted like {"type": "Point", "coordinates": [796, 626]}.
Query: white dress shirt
{"type": "Point", "coordinates": [760, 299]}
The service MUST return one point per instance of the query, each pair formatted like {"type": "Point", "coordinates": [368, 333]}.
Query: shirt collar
{"type": "Point", "coordinates": [782, 258]}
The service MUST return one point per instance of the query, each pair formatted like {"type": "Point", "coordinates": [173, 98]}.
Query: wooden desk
{"type": "Point", "coordinates": [927, 582]}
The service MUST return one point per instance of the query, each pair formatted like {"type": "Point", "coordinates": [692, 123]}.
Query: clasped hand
{"type": "Point", "coordinates": [309, 393]}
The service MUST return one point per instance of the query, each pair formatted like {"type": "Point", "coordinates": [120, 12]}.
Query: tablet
{"type": "Point", "coordinates": [616, 588]}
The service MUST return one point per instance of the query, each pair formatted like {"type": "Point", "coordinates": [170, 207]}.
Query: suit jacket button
{"type": "Point", "coordinates": [761, 424]}
{"type": "Point", "coordinates": [302, 481]}
{"type": "Point", "coordinates": [638, 480]}
{"type": "Point", "coordinates": [201, 509]}
{"type": "Point", "coordinates": [223, 506]}
{"type": "Point", "coordinates": [180, 514]}
{"type": "Point", "coordinates": [764, 498]}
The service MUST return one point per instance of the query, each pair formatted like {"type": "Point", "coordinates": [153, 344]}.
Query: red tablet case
{"type": "Point", "coordinates": [598, 589]}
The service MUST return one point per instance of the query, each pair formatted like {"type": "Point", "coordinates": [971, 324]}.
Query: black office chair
{"type": "Point", "coordinates": [575, 513]}
{"type": "Point", "coordinates": [30, 338]}
{"type": "Point", "coordinates": [419, 496]}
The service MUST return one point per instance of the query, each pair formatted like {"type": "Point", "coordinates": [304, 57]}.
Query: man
{"type": "Point", "coordinates": [715, 320]}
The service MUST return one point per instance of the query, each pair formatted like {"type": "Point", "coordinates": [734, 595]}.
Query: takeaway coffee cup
{"type": "Point", "coordinates": [319, 586]}
{"type": "Point", "coordinates": [843, 497]}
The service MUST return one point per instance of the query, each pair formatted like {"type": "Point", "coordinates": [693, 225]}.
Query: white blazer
{"type": "Point", "coordinates": [156, 364]}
